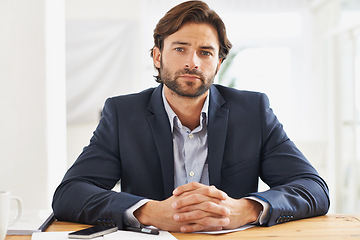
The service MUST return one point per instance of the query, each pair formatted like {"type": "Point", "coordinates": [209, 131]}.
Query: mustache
{"type": "Point", "coordinates": [194, 71]}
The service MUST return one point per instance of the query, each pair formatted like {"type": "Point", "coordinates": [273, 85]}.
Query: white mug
{"type": "Point", "coordinates": [5, 198]}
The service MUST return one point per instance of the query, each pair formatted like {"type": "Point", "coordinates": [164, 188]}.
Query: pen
{"type": "Point", "coordinates": [143, 230]}
{"type": "Point", "coordinates": [47, 222]}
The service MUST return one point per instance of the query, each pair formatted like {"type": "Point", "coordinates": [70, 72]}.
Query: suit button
{"type": "Point", "coordinates": [283, 219]}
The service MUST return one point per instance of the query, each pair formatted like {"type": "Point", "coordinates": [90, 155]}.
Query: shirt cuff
{"type": "Point", "coordinates": [129, 218]}
{"type": "Point", "coordinates": [264, 214]}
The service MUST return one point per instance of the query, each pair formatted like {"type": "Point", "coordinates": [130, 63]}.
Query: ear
{"type": "Point", "coordinates": [157, 57]}
{"type": "Point", "coordinates": [219, 63]}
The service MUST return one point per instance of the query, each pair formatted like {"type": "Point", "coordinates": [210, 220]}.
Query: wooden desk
{"type": "Point", "coordinates": [324, 227]}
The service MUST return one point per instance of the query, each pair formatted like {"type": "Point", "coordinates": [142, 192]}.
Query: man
{"type": "Point", "coordinates": [189, 153]}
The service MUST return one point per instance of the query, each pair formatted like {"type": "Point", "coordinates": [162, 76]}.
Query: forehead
{"type": "Point", "coordinates": [197, 34]}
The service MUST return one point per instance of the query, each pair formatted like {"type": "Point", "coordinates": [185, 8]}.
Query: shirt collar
{"type": "Point", "coordinates": [172, 116]}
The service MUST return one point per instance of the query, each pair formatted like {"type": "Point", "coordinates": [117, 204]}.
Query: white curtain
{"type": "Point", "coordinates": [99, 59]}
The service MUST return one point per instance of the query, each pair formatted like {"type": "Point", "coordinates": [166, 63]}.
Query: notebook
{"type": "Point", "coordinates": [29, 222]}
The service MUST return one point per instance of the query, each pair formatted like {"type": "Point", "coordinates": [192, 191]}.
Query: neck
{"type": "Point", "coordinates": [187, 109]}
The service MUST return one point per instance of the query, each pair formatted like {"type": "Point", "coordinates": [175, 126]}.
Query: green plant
{"type": "Point", "coordinates": [222, 77]}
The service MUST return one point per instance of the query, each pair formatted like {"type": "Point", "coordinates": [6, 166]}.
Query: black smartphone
{"type": "Point", "coordinates": [92, 232]}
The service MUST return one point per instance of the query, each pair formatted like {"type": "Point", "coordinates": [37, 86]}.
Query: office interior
{"type": "Point", "coordinates": [60, 60]}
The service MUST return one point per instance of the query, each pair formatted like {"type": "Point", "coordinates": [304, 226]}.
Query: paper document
{"type": "Point", "coordinates": [164, 235]}
{"type": "Point", "coordinates": [123, 235]}
{"type": "Point", "coordinates": [29, 222]}
{"type": "Point", "coordinates": [53, 236]}
{"type": "Point", "coordinates": [228, 231]}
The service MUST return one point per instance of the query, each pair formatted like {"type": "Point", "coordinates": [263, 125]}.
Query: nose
{"type": "Point", "coordinates": [192, 61]}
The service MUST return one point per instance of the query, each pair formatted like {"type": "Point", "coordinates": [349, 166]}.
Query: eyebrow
{"type": "Point", "coordinates": [188, 44]}
{"type": "Point", "coordinates": [180, 43]}
{"type": "Point", "coordinates": [208, 48]}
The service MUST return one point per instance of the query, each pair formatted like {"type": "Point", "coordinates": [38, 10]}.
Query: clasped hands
{"type": "Point", "coordinates": [198, 207]}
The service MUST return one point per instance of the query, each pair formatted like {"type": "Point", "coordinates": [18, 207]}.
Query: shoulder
{"type": "Point", "coordinates": [235, 96]}
{"type": "Point", "coordinates": [233, 92]}
{"type": "Point", "coordinates": [134, 101]}
{"type": "Point", "coordinates": [142, 96]}
{"type": "Point", "coordinates": [129, 104]}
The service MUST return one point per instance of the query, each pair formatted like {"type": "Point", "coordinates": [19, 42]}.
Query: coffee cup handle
{"type": "Point", "coordinates": [19, 209]}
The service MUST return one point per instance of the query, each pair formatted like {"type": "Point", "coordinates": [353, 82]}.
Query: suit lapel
{"type": "Point", "coordinates": [160, 128]}
{"type": "Point", "coordinates": [217, 129]}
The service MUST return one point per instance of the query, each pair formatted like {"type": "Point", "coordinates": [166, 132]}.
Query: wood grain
{"type": "Point", "coordinates": [317, 228]}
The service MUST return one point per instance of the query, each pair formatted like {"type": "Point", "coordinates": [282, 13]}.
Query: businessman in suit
{"type": "Point", "coordinates": [189, 153]}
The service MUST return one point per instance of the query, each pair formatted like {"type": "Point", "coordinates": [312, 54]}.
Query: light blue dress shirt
{"type": "Point", "coordinates": [190, 147]}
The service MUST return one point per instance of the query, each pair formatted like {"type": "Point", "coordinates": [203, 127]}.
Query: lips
{"type": "Point", "coordinates": [191, 77]}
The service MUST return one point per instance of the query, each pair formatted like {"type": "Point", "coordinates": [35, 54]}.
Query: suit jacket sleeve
{"type": "Point", "coordinates": [296, 189]}
{"type": "Point", "coordinates": [84, 194]}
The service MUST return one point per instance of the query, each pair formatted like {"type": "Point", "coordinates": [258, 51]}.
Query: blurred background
{"type": "Point", "coordinates": [60, 60]}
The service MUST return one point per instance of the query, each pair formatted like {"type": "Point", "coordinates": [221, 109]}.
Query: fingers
{"type": "Point", "coordinates": [197, 214]}
{"type": "Point", "coordinates": [198, 207]}
{"type": "Point", "coordinates": [193, 199]}
{"type": "Point", "coordinates": [187, 187]}
{"type": "Point", "coordinates": [200, 202]}
{"type": "Point", "coordinates": [188, 205]}
{"type": "Point", "coordinates": [207, 223]}
{"type": "Point", "coordinates": [206, 215]}
{"type": "Point", "coordinates": [194, 187]}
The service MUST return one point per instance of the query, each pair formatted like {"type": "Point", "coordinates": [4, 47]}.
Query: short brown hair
{"type": "Point", "coordinates": [190, 11]}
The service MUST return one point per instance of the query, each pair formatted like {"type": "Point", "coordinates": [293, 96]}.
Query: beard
{"type": "Point", "coordinates": [187, 89]}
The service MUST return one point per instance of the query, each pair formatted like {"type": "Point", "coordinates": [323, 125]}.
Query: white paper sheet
{"type": "Point", "coordinates": [138, 236]}
{"type": "Point", "coordinates": [229, 231]}
{"type": "Point", "coordinates": [123, 235]}
{"type": "Point", "coordinates": [53, 236]}
{"type": "Point", "coordinates": [29, 222]}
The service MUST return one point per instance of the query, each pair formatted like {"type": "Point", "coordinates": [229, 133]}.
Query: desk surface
{"type": "Point", "coordinates": [323, 227]}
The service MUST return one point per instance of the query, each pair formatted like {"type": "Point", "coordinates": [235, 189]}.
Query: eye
{"type": "Point", "coordinates": [179, 49]}
{"type": "Point", "coordinates": [206, 53]}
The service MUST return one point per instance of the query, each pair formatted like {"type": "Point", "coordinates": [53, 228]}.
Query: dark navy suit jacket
{"type": "Point", "coordinates": [133, 143]}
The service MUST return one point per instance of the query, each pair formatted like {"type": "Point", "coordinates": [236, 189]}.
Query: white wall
{"type": "Point", "coordinates": [24, 161]}
{"type": "Point", "coordinates": [82, 11]}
